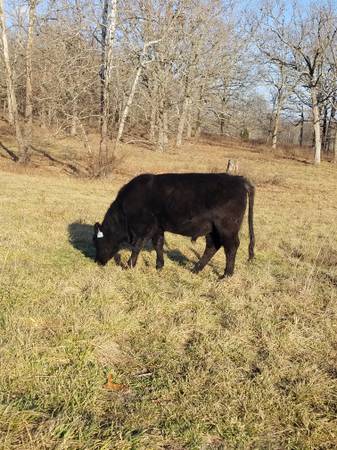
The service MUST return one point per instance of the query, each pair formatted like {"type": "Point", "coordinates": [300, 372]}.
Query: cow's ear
{"type": "Point", "coordinates": [98, 231]}
{"type": "Point", "coordinates": [97, 227]}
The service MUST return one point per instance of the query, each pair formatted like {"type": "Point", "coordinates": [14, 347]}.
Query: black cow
{"type": "Point", "coordinates": [190, 204]}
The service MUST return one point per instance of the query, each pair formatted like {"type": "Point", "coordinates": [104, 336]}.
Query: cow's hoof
{"type": "Point", "coordinates": [118, 260]}
{"type": "Point", "coordinates": [226, 275]}
{"type": "Point", "coordinates": [159, 266]}
{"type": "Point", "coordinates": [130, 265]}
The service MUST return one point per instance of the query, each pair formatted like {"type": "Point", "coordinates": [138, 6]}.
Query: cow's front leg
{"type": "Point", "coordinates": [117, 259]}
{"type": "Point", "coordinates": [135, 252]}
{"type": "Point", "coordinates": [158, 243]}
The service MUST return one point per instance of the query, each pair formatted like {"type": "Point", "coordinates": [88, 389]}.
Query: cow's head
{"type": "Point", "coordinates": [106, 245]}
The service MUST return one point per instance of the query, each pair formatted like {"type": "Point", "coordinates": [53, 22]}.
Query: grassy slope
{"type": "Point", "coordinates": [246, 363]}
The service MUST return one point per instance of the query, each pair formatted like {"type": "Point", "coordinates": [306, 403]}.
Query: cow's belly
{"type": "Point", "coordinates": [192, 228]}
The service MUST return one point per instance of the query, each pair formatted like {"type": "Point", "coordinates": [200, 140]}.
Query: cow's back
{"type": "Point", "coordinates": [194, 189]}
{"type": "Point", "coordinates": [198, 191]}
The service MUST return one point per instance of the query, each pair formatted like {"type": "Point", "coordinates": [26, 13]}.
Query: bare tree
{"type": "Point", "coordinates": [169, 70]}
{"type": "Point", "coordinates": [108, 27]}
{"type": "Point", "coordinates": [276, 76]}
{"type": "Point", "coordinates": [302, 45]}
{"type": "Point", "coordinates": [29, 90]}
{"type": "Point", "coordinates": [143, 60]}
{"type": "Point", "coordinates": [12, 104]}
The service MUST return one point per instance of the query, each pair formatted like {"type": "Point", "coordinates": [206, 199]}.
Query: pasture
{"type": "Point", "coordinates": [105, 358]}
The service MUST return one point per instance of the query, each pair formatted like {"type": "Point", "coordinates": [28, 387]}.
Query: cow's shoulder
{"type": "Point", "coordinates": [138, 183]}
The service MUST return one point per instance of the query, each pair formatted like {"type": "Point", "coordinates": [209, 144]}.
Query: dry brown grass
{"type": "Point", "coordinates": [248, 363]}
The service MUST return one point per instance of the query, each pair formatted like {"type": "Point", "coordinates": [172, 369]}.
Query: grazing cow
{"type": "Point", "coordinates": [190, 204]}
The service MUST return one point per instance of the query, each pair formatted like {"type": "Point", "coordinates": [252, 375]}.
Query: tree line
{"type": "Point", "coordinates": [160, 71]}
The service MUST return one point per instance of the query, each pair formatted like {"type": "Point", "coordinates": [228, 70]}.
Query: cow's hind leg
{"type": "Point", "coordinates": [231, 245]}
{"type": "Point", "coordinates": [135, 252]}
{"type": "Point", "coordinates": [158, 244]}
{"type": "Point", "coordinates": [212, 246]}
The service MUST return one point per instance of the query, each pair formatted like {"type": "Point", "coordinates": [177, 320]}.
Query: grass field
{"type": "Point", "coordinates": [193, 362]}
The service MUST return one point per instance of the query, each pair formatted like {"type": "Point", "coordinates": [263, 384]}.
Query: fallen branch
{"type": "Point", "coordinates": [139, 141]}
{"type": "Point", "coordinates": [12, 155]}
{"type": "Point", "coordinates": [75, 169]}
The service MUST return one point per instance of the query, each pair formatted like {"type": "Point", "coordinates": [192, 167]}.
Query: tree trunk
{"type": "Point", "coordinates": [223, 109]}
{"type": "Point", "coordinates": [162, 126]}
{"type": "Point", "coordinates": [316, 124]}
{"type": "Point", "coordinates": [29, 89]}
{"type": "Point", "coordinates": [9, 109]}
{"type": "Point", "coordinates": [182, 121]}
{"type": "Point", "coordinates": [325, 128]}
{"type": "Point", "coordinates": [87, 146]}
{"type": "Point", "coordinates": [165, 128]}
{"type": "Point", "coordinates": [301, 129]}
{"type": "Point", "coordinates": [128, 104]}
{"type": "Point", "coordinates": [222, 117]}
{"type": "Point", "coordinates": [270, 126]}
{"type": "Point", "coordinates": [154, 110]}
{"type": "Point", "coordinates": [189, 126]}
{"type": "Point", "coordinates": [197, 132]}
{"type": "Point", "coordinates": [330, 126]}
{"type": "Point", "coordinates": [335, 147]}
{"type": "Point", "coordinates": [73, 128]}
{"type": "Point", "coordinates": [276, 120]}
{"type": "Point", "coordinates": [153, 118]}
{"type": "Point", "coordinates": [109, 18]}
{"type": "Point", "coordinates": [161, 134]}
{"type": "Point", "coordinates": [12, 105]}
{"type": "Point", "coordinates": [222, 124]}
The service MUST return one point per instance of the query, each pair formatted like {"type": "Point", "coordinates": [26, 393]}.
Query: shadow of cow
{"type": "Point", "coordinates": [80, 237]}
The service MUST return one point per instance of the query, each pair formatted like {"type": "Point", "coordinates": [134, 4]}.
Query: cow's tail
{"type": "Point", "coordinates": [251, 194]}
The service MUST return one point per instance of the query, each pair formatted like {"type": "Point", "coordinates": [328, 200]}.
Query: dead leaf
{"type": "Point", "coordinates": [116, 387]}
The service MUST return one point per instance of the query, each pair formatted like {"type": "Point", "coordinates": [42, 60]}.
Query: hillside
{"type": "Point", "coordinates": [193, 362]}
